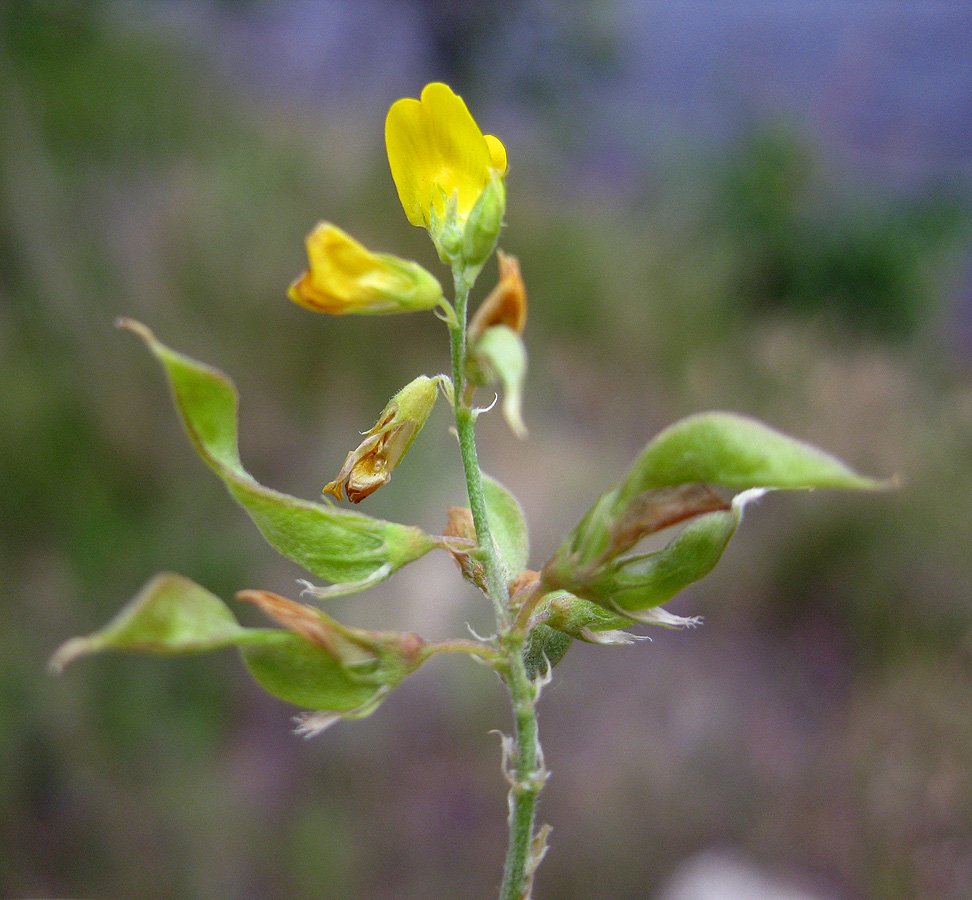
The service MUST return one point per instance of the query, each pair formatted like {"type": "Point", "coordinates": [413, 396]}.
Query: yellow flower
{"type": "Point", "coordinates": [370, 464]}
{"type": "Point", "coordinates": [436, 151]}
{"type": "Point", "coordinates": [345, 277]}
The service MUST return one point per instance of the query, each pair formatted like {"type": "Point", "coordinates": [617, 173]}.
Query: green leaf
{"type": "Point", "coordinates": [544, 649]}
{"type": "Point", "coordinates": [294, 670]}
{"type": "Point", "coordinates": [171, 614]}
{"type": "Point", "coordinates": [333, 543]}
{"type": "Point", "coordinates": [507, 524]}
{"type": "Point", "coordinates": [636, 584]}
{"type": "Point", "coordinates": [736, 452]}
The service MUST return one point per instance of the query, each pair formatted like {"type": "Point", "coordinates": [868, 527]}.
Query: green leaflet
{"type": "Point", "coordinates": [173, 614]}
{"type": "Point", "coordinates": [738, 453]}
{"type": "Point", "coordinates": [334, 544]}
{"type": "Point", "coordinates": [668, 485]}
{"type": "Point", "coordinates": [640, 583]}
{"type": "Point", "coordinates": [507, 524]}
{"type": "Point", "coordinates": [290, 668]}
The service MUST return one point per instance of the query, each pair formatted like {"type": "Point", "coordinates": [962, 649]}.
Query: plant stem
{"type": "Point", "coordinates": [465, 426]}
{"type": "Point", "coordinates": [523, 757]}
{"type": "Point", "coordinates": [526, 774]}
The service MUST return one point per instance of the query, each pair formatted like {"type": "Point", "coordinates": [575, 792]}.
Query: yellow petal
{"type": "Point", "coordinates": [497, 153]}
{"type": "Point", "coordinates": [436, 150]}
{"type": "Point", "coordinates": [345, 277]}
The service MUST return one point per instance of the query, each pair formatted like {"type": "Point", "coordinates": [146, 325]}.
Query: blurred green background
{"type": "Point", "coordinates": [767, 213]}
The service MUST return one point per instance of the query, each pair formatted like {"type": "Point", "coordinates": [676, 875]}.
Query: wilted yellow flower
{"type": "Point", "coordinates": [345, 277]}
{"type": "Point", "coordinates": [506, 304]}
{"type": "Point", "coordinates": [436, 150]}
{"type": "Point", "coordinates": [496, 350]}
{"type": "Point", "coordinates": [370, 464]}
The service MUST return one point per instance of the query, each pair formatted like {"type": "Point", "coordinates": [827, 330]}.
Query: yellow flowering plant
{"type": "Point", "coordinates": [697, 476]}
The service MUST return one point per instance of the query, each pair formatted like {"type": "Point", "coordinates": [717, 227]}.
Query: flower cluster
{"type": "Point", "coordinates": [449, 177]}
{"type": "Point", "coordinates": [450, 180]}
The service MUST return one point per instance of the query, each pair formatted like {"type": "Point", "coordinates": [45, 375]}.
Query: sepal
{"type": "Point", "coordinates": [485, 222]}
{"type": "Point", "coordinates": [445, 228]}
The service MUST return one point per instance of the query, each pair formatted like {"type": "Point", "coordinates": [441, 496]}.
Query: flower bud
{"type": "Point", "coordinates": [485, 222]}
{"type": "Point", "coordinates": [370, 464]}
{"type": "Point", "coordinates": [346, 278]}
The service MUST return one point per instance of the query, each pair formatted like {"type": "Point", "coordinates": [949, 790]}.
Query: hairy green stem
{"type": "Point", "coordinates": [523, 759]}
{"type": "Point", "coordinates": [526, 774]}
{"type": "Point", "coordinates": [465, 426]}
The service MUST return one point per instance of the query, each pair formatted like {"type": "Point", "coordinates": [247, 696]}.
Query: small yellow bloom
{"type": "Point", "coordinates": [370, 464]}
{"type": "Point", "coordinates": [436, 151]}
{"type": "Point", "coordinates": [345, 277]}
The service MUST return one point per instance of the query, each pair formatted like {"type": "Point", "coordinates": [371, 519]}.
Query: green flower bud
{"type": "Point", "coordinates": [484, 223]}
